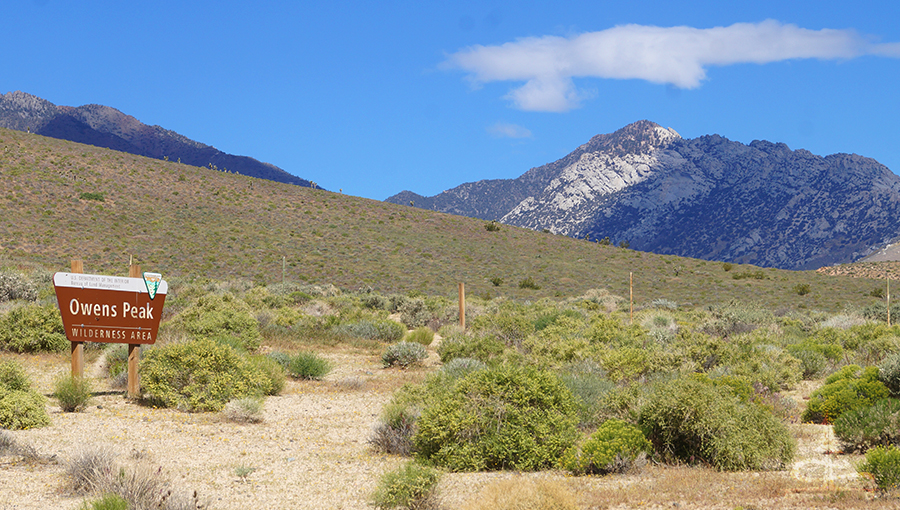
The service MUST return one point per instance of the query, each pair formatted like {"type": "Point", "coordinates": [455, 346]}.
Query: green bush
{"type": "Point", "coordinates": [877, 425]}
{"type": "Point", "coordinates": [308, 365]}
{"type": "Point", "coordinates": [423, 336]}
{"type": "Point", "coordinates": [403, 354]}
{"type": "Point", "coordinates": [33, 328]}
{"type": "Point", "coordinates": [15, 286]}
{"type": "Point", "coordinates": [382, 330]}
{"type": "Point", "coordinates": [13, 376]}
{"type": "Point", "coordinates": [200, 375]}
{"type": "Point", "coordinates": [889, 373]}
{"type": "Point", "coordinates": [222, 317]}
{"type": "Point", "coordinates": [272, 370]}
{"type": "Point", "coordinates": [883, 465]}
{"type": "Point", "coordinates": [22, 410]}
{"type": "Point", "coordinates": [694, 419]}
{"type": "Point", "coordinates": [106, 502]}
{"type": "Point", "coordinates": [615, 447]}
{"type": "Point", "coordinates": [482, 346]}
{"type": "Point", "coordinates": [589, 384]}
{"type": "Point", "coordinates": [845, 390]}
{"type": "Point", "coordinates": [410, 486]}
{"type": "Point", "coordinates": [529, 283]}
{"type": "Point", "coordinates": [72, 393]}
{"type": "Point", "coordinates": [414, 313]}
{"type": "Point", "coordinates": [508, 417]}
{"type": "Point", "coordinates": [461, 367]}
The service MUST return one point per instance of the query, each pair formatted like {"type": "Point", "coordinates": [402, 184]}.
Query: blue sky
{"type": "Point", "coordinates": [376, 97]}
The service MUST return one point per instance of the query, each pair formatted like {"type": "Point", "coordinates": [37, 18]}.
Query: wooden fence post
{"type": "Point", "coordinates": [134, 350]}
{"type": "Point", "coordinates": [462, 305]}
{"type": "Point", "coordinates": [77, 347]}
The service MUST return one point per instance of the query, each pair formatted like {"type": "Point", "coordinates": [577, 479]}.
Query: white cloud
{"type": "Point", "coordinates": [678, 56]}
{"type": "Point", "coordinates": [504, 130]}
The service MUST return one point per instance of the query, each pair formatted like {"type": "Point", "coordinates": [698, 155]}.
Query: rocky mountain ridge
{"type": "Point", "coordinates": [104, 126]}
{"type": "Point", "coordinates": [709, 198]}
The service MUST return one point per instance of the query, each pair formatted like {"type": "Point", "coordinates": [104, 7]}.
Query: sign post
{"type": "Point", "coordinates": [111, 309]}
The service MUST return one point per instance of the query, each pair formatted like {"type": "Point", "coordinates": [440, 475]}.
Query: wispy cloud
{"type": "Point", "coordinates": [504, 130]}
{"type": "Point", "coordinates": [678, 56]}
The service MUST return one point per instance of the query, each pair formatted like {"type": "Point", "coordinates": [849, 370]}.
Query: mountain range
{"type": "Point", "coordinates": [103, 126]}
{"type": "Point", "coordinates": [709, 198]}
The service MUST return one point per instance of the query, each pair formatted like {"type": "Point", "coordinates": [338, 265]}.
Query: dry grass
{"type": "Point", "coordinates": [524, 494]}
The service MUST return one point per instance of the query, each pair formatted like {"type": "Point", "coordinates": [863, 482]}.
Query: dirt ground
{"type": "Point", "coordinates": [311, 452]}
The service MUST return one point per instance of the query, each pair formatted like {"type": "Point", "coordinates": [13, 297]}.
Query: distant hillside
{"type": "Point", "coordinates": [709, 198]}
{"type": "Point", "coordinates": [63, 200]}
{"type": "Point", "coordinates": [103, 126]}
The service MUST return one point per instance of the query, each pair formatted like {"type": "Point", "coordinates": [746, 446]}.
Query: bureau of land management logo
{"type": "Point", "coordinates": [151, 280]}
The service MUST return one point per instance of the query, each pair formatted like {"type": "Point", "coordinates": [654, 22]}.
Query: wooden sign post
{"type": "Point", "coordinates": [77, 347]}
{"type": "Point", "coordinates": [462, 305]}
{"type": "Point", "coordinates": [110, 309]}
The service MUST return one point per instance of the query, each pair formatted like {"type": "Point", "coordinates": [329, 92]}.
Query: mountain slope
{"type": "Point", "coordinates": [708, 198]}
{"type": "Point", "coordinates": [104, 126]}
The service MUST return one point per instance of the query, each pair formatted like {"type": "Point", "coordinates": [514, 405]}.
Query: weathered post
{"type": "Point", "coordinates": [462, 305]}
{"type": "Point", "coordinates": [77, 347]}
{"type": "Point", "coordinates": [631, 297]}
{"type": "Point", "coordinates": [134, 350]}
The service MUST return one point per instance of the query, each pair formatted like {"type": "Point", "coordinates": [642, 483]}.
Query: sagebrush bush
{"type": "Point", "coordinates": [883, 465]}
{"type": "Point", "coordinates": [414, 313]}
{"type": "Point", "coordinates": [889, 373]}
{"type": "Point", "coordinates": [849, 388]}
{"type": "Point", "coordinates": [381, 330]}
{"type": "Point", "coordinates": [410, 486]}
{"type": "Point", "coordinates": [394, 431]}
{"type": "Point", "coordinates": [200, 375]}
{"type": "Point", "coordinates": [509, 417]}
{"type": "Point", "coordinates": [864, 428]}
{"type": "Point", "coordinates": [481, 346]}
{"type": "Point", "coordinates": [115, 357]}
{"type": "Point", "coordinates": [72, 393]}
{"type": "Point", "coordinates": [615, 447]}
{"type": "Point", "coordinates": [423, 335]}
{"type": "Point", "coordinates": [22, 410]}
{"type": "Point", "coordinates": [308, 365]}
{"type": "Point", "coordinates": [13, 376]}
{"type": "Point", "coordinates": [403, 354]}
{"type": "Point", "coordinates": [33, 328]}
{"type": "Point", "coordinates": [16, 286]}
{"type": "Point", "coordinates": [222, 317]}
{"type": "Point", "coordinates": [244, 410]}
{"type": "Point", "coordinates": [693, 419]}
{"type": "Point", "coordinates": [588, 383]}
{"type": "Point", "coordinates": [461, 367]}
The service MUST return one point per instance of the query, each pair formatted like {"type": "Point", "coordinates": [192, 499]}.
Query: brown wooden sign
{"type": "Point", "coordinates": [112, 309]}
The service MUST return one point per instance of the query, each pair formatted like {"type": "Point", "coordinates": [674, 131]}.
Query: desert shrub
{"type": "Point", "coordinates": [403, 354]}
{"type": "Point", "coordinates": [615, 447]}
{"type": "Point", "coordinates": [423, 336]}
{"type": "Point", "coordinates": [481, 346]}
{"type": "Point", "coordinates": [629, 363]}
{"type": "Point", "coordinates": [410, 486]}
{"type": "Point", "coordinates": [22, 410]}
{"type": "Point", "coordinates": [849, 388]}
{"type": "Point", "coordinates": [13, 376]}
{"type": "Point", "coordinates": [508, 417]}
{"type": "Point", "coordinates": [282, 358]}
{"type": "Point", "coordinates": [414, 313]}
{"type": "Point", "coordinates": [200, 375]}
{"type": "Point", "coordinates": [524, 494]}
{"type": "Point", "coordinates": [511, 325]}
{"type": "Point", "coordinates": [287, 316]}
{"type": "Point", "coordinates": [883, 465]}
{"type": "Point", "coordinates": [694, 419]}
{"type": "Point", "coordinates": [382, 330]}
{"type": "Point", "coordinates": [889, 373]}
{"type": "Point", "coordinates": [33, 328]}
{"type": "Point", "coordinates": [461, 367]}
{"type": "Point", "coordinates": [272, 370]}
{"type": "Point", "coordinates": [875, 312]}
{"type": "Point", "coordinates": [72, 393]}
{"type": "Point", "coordinates": [394, 431]}
{"type": "Point", "coordinates": [588, 383]}
{"type": "Point", "coordinates": [106, 502]}
{"type": "Point", "coordinates": [815, 356]}
{"type": "Point", "coordinates": [221, 317]}
{"type": "Point", "coordinates": [115, 358]}
{"type": "Point", "coordinates": [492, 226]}
{"type": "Point", "coordinates": [244, 410]}
{"type": "Point", "coordinates": [529, 283]}
{"type": "Point", "coordinates": [877, 425]}
{"type": "Point", "coordinates": [802, 289]}
{"type": "Point", "coordinates": [308, 365]}
{"type": "Point", "coordinates": [16, 286]}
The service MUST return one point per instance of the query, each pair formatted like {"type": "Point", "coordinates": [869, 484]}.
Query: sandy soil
{"type": "Point", "coordinates": [309, 452]}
